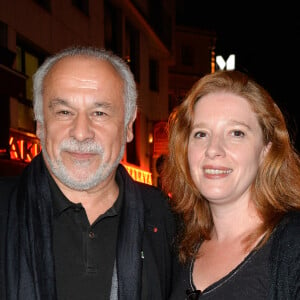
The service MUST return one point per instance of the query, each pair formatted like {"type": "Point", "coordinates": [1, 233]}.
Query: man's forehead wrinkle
{"type": "Point", "coordinates": [76, 80]}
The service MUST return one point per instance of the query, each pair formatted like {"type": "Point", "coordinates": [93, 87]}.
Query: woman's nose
{"type": "Point", "coordinates": [215, 147]}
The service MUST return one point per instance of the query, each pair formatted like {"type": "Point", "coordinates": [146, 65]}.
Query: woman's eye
{"type": "Point", "coordinates": [237, 133]}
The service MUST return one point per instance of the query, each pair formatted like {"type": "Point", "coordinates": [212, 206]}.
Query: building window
{"type": "Point", "coordinates": [187, 56]}
{"type": "Point", "coordinates": [132, 50]}
{"type": "Point", "coordinates": [82, 5]}
{"type": "Point", "coordinates": [3, 34]}
{"type": "Point", "coordinates": [46, 4]}
{"type": "Point", "coordinates": [27, 63]}
{"type": "Point", "coordinates": [28, 60]}
{"type": "Point", "coordinates": [153, 75]}
{"type": "Point", "coordinates": [112, 28]}
{"type": "Point", "coordinates": [7, 56]}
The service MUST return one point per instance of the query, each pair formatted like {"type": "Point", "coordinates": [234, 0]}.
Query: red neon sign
{"type": "Point", "coordinates": [23, 147]}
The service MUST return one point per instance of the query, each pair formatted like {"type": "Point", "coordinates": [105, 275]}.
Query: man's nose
{"type": "Point", "coordinates": [82, 128]}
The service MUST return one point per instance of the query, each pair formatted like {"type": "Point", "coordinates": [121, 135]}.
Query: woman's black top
{"type": "Point", "coordinates": [270, 273]}
{"type": "Point", "coordinates": [249, 280]}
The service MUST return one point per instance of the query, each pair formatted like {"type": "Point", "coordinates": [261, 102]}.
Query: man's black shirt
{"type": "Point", "coordinates": [84, 254]}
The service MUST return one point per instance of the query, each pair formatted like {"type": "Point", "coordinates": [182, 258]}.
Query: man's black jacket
{"type": "Point", "coordinates": [156, 237]}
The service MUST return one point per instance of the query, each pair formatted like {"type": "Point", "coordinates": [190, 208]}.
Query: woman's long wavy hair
{"type": "Point", "coordinates": [276, 189]}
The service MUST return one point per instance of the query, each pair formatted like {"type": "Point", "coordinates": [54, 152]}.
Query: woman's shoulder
{"type": "Point", "coordinates": [284, 258]}
{"type": "Point", "coordinates": [288, 230]}
{"type": "Point", "coordinates": [290, 220]}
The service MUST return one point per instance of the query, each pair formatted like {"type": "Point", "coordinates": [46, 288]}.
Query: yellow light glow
{"type": "Point", "coordinates": [139, 175]}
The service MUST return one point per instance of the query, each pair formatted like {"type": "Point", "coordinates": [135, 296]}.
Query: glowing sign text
{"type": "Point", "coordinates": [139, 175]}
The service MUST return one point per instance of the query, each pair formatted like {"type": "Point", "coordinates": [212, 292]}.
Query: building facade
{"type": "Point", "coordinates": [194, 57]}
{"type": "Point", "coordinates": [142, 32]}
{"type": "Point", "coordinates": [30, 30]}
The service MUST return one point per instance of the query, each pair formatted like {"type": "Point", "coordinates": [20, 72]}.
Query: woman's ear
{"type": "Point", "coordinates": [265, 151]}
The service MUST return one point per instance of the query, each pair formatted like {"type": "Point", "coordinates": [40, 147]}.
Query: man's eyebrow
{"type": "Point", "coordinates": [57, 101]}
{"type": "Point", "coordinates": [102, 104]}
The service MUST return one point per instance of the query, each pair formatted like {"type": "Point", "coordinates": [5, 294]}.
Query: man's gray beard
{"type": "Point", "coordinates": [60, 171]}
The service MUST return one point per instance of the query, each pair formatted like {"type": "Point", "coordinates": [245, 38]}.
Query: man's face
{"type": "Point", "coordinates": [83, 135]}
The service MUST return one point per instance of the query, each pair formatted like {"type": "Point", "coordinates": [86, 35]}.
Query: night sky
{"type": "Point", "coordinates": [266, 41]}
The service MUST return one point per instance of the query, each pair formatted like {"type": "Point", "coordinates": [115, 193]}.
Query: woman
{"type": "Point", "coordinates": [234, 180]}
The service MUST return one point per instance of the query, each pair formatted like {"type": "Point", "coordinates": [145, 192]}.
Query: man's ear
{"type": "Point", "coordinates": [39, 128]}
{"type": "Point", "coordinates": [129, 128]}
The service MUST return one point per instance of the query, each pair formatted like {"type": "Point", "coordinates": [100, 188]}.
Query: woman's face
{"type": "Point", "coordinates": [225, 148]}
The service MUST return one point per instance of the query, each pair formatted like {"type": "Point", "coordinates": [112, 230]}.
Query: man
{"type": "Point", "coordinates": [75, 225]}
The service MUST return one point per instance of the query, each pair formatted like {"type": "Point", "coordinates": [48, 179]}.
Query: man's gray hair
{"type": "Point", "coordinates": [130, 92]}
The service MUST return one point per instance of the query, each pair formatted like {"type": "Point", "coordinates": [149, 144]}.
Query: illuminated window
{"type": "Point", "coordinates": [28, 59]}
{"type": "Point", "coordinates": [27, 62]}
